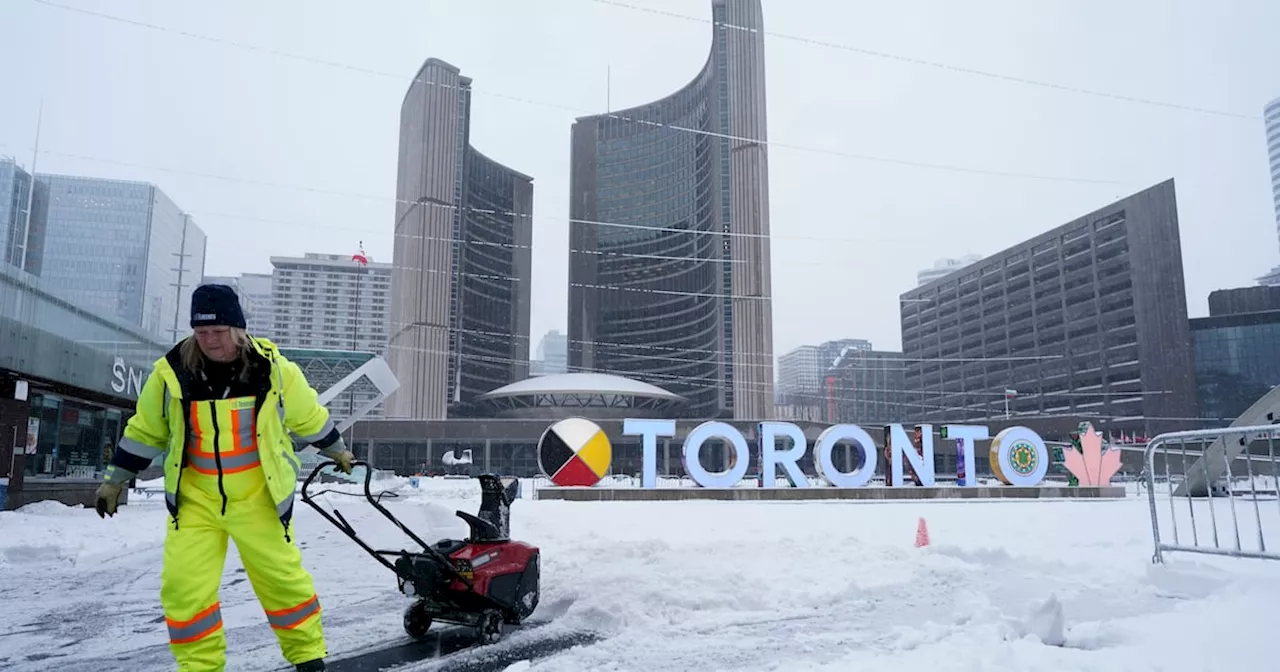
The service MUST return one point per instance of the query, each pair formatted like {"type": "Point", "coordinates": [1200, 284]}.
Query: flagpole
{"type": "Point", "coordinates": [355, 339]}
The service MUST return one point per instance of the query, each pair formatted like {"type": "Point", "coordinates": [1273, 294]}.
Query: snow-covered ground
{"type": "Point", "coordinates": [701, 585]}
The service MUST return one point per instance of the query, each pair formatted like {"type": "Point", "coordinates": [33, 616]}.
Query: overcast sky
{"type": "Point", "coordinates": [279, 156]}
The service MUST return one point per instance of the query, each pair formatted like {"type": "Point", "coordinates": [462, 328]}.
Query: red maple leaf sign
{"type": "Point", "coordinates": [1091, 464]}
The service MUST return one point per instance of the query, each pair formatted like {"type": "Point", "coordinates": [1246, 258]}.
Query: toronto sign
{"type": "Point", "coordinates": [577, 452]}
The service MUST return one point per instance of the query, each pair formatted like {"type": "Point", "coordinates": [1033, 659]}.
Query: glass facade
{"type": "Point", "coordinates": [491, 287]}
{"type": "Point", "coordinates": [660, 184]}
{"type": "Point", "coordinates": [113, 246]}
{"type": "Point", "coordinates": [669, 273]}
{"type": "Point", "coordinates": [15, 191]}
{"type": "Point", "coordinates": [48, 337]}
{"type": "Point", "coordinates": [74, 439]}
{"type": "Point", "coordinates": [1237, 360]}
{"type": "Point", "coordinates": [866, 387]}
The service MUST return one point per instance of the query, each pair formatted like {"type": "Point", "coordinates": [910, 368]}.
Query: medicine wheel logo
{"type": "Point", "coordinates": [574, 452]}
{"type": "Point", "coordinates": [1024, 458]}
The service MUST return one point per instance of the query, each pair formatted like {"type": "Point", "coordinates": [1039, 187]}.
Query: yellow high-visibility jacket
{"type": "Point", "coordinates": [159, 427]}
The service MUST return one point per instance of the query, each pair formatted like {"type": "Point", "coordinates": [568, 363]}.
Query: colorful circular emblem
{"type": "Point", "coordinates": [1024, 458]}
{"type": "Point", "coordinates": [574, 452]}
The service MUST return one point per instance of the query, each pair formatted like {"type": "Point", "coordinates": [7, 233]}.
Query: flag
{"type": "Point", "coordinates": [360, 257]}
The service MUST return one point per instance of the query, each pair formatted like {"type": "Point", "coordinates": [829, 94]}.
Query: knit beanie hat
{"type": "Point", "coordinates": [216, 305]}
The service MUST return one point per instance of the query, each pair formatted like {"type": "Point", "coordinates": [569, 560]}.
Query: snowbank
{"type": "Point", "coordinates": [796, 586]}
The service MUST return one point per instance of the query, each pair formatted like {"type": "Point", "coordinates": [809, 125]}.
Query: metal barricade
{"type": "Point", "coordinates": [1203, 469]}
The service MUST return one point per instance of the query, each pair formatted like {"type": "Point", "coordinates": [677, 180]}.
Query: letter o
{"type": "Point", "coordinates": [827, 442]}
{"type": "Point", "coordinates": [1019, 457]}
{"type": "Point", "coordinates": [693, 448]}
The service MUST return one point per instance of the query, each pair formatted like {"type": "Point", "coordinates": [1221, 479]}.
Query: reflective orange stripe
{"type": "Point", "coordinates": [243, 455]}
{"type": "Point", "coordinates": [288, 619]}
{"type": "Point", "coordinates": [198, 627]}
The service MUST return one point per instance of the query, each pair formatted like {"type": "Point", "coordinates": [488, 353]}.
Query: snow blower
{"type": "Point", "coordinates": [483, 582]}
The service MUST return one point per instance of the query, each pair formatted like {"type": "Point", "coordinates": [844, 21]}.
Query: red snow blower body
{"type": "Point", "coordinates": [484, 582]}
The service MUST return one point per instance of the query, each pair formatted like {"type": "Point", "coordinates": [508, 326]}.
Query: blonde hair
{"type": "Point", "coordinates": [193, 358]}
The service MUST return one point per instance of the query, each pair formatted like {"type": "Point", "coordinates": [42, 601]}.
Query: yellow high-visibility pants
{"type": "Point", "coordinates": [194, 556]}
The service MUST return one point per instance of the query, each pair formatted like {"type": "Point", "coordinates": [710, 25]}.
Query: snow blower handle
{"type": "Point", "coordinates": [341, 523]}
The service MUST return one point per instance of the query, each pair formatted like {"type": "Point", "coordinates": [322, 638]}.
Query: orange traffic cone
{"type": "Point", "coordinates": [922, 534]}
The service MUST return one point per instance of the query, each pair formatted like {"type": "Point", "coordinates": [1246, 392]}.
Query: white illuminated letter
{"type": "Point", "coordinates": [720, 479]}
{"type": "Point", "coordinates": [966, 435]}
{"type": "Point", "coordinates": [901, 446]}
{"type": "Point", "coordinates": [827, 442]}
{"type": "Point", "coordinates": [649, 431]}
{"type": "Point", "coordinates": [771, 457]}
{"type": "Point", "coordinates": [1019, 456]}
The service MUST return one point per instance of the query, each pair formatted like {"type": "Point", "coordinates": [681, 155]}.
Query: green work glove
{"type": "Point", "coordinates": [108, 498]}
{"type": "Point", "coordinates": [338, 453]}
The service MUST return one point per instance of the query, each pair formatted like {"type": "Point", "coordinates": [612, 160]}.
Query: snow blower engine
{"type": "Point", "coordinates": [484, 582]}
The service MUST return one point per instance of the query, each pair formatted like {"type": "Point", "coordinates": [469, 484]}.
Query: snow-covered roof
{"type": "Point", "coordinates": [581, 383]}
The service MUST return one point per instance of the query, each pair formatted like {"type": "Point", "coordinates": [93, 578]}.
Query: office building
{"type": "Point", "coordinates": [254, 290]}
{"type": "Point", "coordinates": [944, 267]}
{"type": "Point", "coordinates": [463, 262]}
{"type": "Point", "coordinates": [866, 387]}
{"type": "Point", "coordinates": [552, 355]}
{"type": "Point", "coordinates": [1089, 318]}
{"type": "Point", "coordinates": [15, 201]}
{"type": "Point", "coordinates": [669, 277]}
{"type": "Point", "coordinates": [1271, 117]}
{"type": "Point", "coordinates": [119, 248]}
{"type": "Point", "coordinates": [802, 372]}
{"type": "Point", "coordinates": [1237, 352]}
{"type": "Point", "coordinates": [330, 302]}
{"type": "Point", "coordinates": [799, 377]}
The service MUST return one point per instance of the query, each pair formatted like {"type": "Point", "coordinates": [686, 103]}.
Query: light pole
{"type": "Point", "coordinates": [1009, 393]}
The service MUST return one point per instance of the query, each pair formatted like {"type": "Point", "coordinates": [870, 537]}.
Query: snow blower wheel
{"type": "Point", "coordinates": [416, 620]}
{"type": "Point", "coordinates": [489, 631]}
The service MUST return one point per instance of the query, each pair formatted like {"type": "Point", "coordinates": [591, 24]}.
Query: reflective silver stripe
{"type": "Point", "coordinates": [204, 624]}
{"type": "Point", "coordinates": [171, 499]}
{"type": "Point", "coordinates": [289, 460]}
{"type": "Point", "coordinates": [117, 475]}
{"type": "Point", "coordinates": [324, 431]}
{"type": "Point", "coordinates": [206, 461]}
{"type": "Point", "coordinates": [283, 507]}
{"type": "Point", "coordinates": [243, 419]}
{"type": "Point", "coordinates": [285, 618]}
{"type": "Point", "coordinates": [139, 448]}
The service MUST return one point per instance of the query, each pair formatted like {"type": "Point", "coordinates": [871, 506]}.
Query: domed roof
{"type": "Point", "coordinates": [581, 383]}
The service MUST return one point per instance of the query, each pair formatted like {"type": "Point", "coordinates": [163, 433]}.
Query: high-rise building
{"type": "Point", "coordinates": [944, 267]}
{"type": "Point", "coordinates": [463, 262]}
{"type": "Point", "coordinates": [254, 290]}
{"type": "Point", "coordinates": [802, 372]}
{"type": "Point", "coordinates": [1088, 319]}
{"type": "Point", "coordinates": [866, 387]}
{"type": "Point", "coordinates": [1271, 116]}
{"type": "Point", "coordinates": [330, 302]}
{"type": "Point", "coordinates": [799, 377]}
{"type": "Point", "coordinates": [15, 199]}
{"type": "Point", "coordinates": [1237, 352]}
{"type": "Point", "coordinates": [552, 355]}
{"type": "Point", "coordinates": [119, 248]}
{"type": "Point", "coordinates": [669, 278]}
